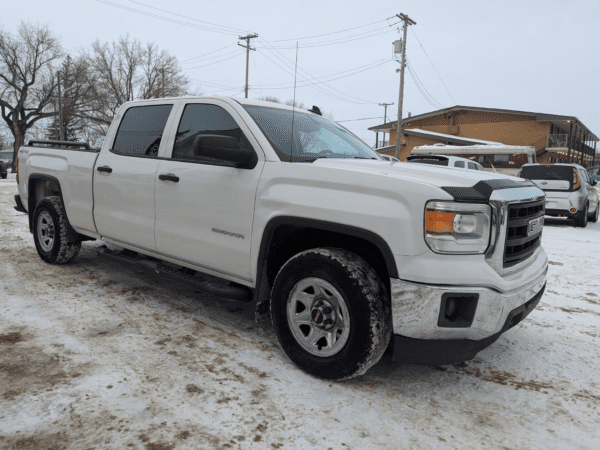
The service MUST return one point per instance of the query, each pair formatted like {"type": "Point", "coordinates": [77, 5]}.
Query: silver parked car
{"type": "Point", "coordinates": [569, 190]}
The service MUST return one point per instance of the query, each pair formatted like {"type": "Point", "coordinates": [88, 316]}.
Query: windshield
{"type": "Point", "coordinates": [314, 136]}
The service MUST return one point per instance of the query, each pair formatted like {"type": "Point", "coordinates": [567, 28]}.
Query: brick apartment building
{"type": "Point", "coordinates": [556, 138]}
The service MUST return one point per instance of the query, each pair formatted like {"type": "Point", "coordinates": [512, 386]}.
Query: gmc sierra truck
{"type": "Point", "coordinates": [350, 253]}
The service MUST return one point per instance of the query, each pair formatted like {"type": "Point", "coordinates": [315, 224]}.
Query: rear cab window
{"type": "Point", "coordinates": [141, 130]}
{"type": "Point", "coordinates": [460, 164]}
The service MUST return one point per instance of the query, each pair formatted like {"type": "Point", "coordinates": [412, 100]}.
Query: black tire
{"type": "Point", "coordinates": [581, 219]}
{"type": "Point", "coordinates": [364, 295]}
{"type": "Point", "coordinates": [50, 232]}
{"type": "Point", "coordinates": [594, 217]}
{"type": "Point", "coordinates": [4, 175]}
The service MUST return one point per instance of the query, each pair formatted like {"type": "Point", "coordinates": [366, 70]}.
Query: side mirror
{"type": "Point", "coordinates": [224, 149]}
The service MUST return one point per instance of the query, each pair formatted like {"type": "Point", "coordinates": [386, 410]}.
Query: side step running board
{"type": "Point", "coordinates": [202, 282]}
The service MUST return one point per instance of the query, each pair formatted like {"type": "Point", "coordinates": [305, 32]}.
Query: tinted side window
{"type": "Point", "coordinates": [472, 166]}
{"type": "Point", "coordinates": [141, 130]}
{"type": "Point", "coordinates": [459, 164]}
{"type": "Point", "coordinates": [501, 159]}
{"type": "Point", "coordinates": [201, 119]}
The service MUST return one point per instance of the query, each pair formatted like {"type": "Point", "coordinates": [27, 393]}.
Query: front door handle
{"type": "Point", "coordinates": [168, 177]}
{"type": "Point", "coordinates": [104, 169]}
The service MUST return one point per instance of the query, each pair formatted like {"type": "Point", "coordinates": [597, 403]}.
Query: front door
{"type": "Point", "coordinates": [205, 209]}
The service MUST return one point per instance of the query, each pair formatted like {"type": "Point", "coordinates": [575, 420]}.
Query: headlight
{"type": "Point", "coordinates": [457, 227]}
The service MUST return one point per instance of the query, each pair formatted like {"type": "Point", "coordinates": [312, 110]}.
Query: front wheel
{"type": "Point", "coordinates": [50, 232]}
{"type": "Point", "coordinates": [330, 313]}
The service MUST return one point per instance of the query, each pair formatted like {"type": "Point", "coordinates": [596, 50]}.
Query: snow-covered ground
{"type": "Point", "coordinates": [101, 354]}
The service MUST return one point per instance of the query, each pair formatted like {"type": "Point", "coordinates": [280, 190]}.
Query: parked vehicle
{"type": "Point", "coordinates": [390, 158]}
{"type": "Point", "coordinates": [443, 160]}
{"type": "Point", "coordinates": [594, 173]}
{"type": "Point", "coordinates": [569, 191]}
{"type": "Point", "coordinates": [350, 254]}
{"type": "Point", "coordinates": [498, 156]}
{"type": "Point", "coordinates": [3, 169]}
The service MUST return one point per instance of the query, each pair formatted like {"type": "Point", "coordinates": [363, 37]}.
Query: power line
{"type": "Point", "coordinates": [337, 41]}
{"type": "Point", "coordinates": [166, 19]}
{"type": "Point", "coordinates": [356, 120]}
{"type": "Point", "coordinates": [210, 53]}
{"type": "Point", "coordinates": [421, 87]}
{"type": "Point", "coordinates": [337, 78]}
{"type": "Point", "coordinates": [434, 67]}
{"type": "Point", "coordinates": [331, 74]}
{"type": "Point", "coordinates": [333, 32]}
{"type": "Point", "coordinates": [360, 101]}
{"type": "Point", "coordinates": [213, 57]}
{"type": "Point", "coordinates": [187, 17]}
{"type": "Point", "coordinates": [317, 88]}
{"type": "Point", "coordinates": [215, 62]}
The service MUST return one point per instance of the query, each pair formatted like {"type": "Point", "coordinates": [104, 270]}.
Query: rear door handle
{"type": "Point", "coordinates": [104, 169]}
{"type": "Point", "coordinates": [168, 177]}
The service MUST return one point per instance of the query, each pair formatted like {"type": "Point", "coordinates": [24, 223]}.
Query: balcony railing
{"type": "Point", "coordinates": [558, 140]}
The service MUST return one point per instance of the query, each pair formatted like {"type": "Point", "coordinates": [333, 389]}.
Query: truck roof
{"type": "Point", "coordinates": [241, 101]}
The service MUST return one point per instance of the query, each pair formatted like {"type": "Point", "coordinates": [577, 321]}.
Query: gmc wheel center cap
{"type": "Point", "coordinates": [322, 314]}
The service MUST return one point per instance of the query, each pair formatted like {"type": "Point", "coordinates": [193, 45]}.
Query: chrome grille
{"type": "Point", "coordinates": [519, 244]}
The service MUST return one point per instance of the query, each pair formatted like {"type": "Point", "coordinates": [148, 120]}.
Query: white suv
{"type": "Point", "coordinates": [446, 160]}
{"type": "Point", "coordinates": [568, 188]}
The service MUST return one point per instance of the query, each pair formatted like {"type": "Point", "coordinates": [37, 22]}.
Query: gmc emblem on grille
{"type": "Point", "coordinates": [535, 226]}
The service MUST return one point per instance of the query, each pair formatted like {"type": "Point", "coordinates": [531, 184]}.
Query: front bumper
{"type": "Point", "coordinates": [416, 312]}
{"type": "Point", "coordinates": [444, 351]}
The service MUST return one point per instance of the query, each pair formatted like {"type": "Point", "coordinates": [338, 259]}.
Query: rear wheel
{"type": "Point", "coordinates": [50, 234]}
{"type": "Point", "coordinates": [582, 218]}
{"type": "Point", "coordinates": [330, 313]}
{"type": "Point", "coordinates": [594, 217]}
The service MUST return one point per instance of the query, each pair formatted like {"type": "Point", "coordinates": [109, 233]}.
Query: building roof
{"type": "Point", "coordinates": [540, 117]}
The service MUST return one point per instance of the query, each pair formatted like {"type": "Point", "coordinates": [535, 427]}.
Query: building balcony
{"type": "Point", "coordinates": [557, 141]}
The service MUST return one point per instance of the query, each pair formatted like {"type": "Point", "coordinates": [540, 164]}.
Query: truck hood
{"type": "Point", "coordinates": [440, 176]}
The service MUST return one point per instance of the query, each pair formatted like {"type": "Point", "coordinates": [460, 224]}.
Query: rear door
{"type": "Point", "coordinates": [205, 208]}
{"type": "Point", "coordinates": [125, 176]}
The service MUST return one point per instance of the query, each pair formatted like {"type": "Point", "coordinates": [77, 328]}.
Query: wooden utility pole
{"type": "Point", "coordinates": [385, 105]}
{"type": "Point", "coordinates": [248, 48]}
{"type": "Point", "coordinates": [163, 82]}
{"type": "Point", "coordinates": [407, 21]}
{"type": "Point", "coordinates": [60, 114]}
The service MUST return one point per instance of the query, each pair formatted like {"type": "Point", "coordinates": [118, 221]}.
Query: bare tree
{"type": "Point", "coordinates": [125, 70]}
{"type": "Point", "coordinates": [269, 98]}
{"type": "Point", "coordinates": [27, 79]}
{"type": "Point", "coordinates": [77, 90]}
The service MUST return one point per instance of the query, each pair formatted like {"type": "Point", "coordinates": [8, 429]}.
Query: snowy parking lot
{"type": "Point", "coordinates": [106, 354]}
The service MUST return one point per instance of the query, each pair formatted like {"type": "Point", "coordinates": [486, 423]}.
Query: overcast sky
{"type": "Point", "coordinates": [537, 56]}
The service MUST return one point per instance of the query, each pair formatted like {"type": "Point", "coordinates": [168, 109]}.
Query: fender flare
{"type": "Point", "coordinates": [71, 233]}
{"type": "Point", "coordinates": [262, 287]}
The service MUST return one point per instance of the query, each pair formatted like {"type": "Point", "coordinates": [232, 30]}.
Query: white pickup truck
{"type": "Point", "coordinates": [353, 254]}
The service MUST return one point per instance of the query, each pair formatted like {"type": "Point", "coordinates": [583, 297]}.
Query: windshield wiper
{"type": "Point", "coordinates": [363, 157]}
